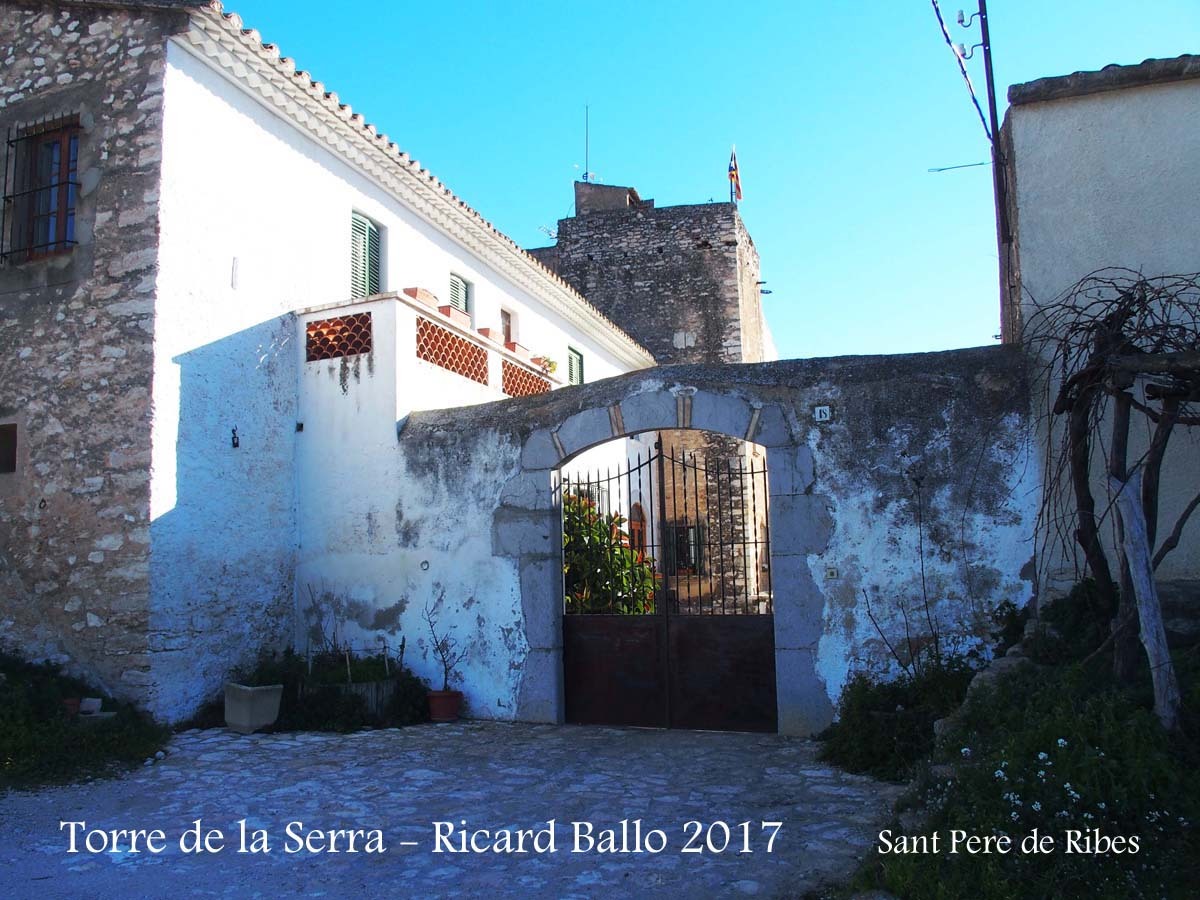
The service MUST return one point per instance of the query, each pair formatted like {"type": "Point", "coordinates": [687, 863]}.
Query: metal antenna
{"type": "Point", "coordinates": [587, 139]}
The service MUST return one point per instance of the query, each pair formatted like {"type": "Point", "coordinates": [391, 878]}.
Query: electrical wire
{"type": "Point", "coordinates": [962, 67]}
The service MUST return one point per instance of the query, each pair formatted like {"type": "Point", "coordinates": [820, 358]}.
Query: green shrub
{"type": "Point", "coordinates": [885, 728]}
{"type": "Point", "coordinates": [410, 702]}
{"type": "Point", "coordinates": [1057, 750]}
{"type": "Point", "coordinates": [314, 701]}
{"type": "Point", "coordinates": [324, 708]}
{"type": "Point", "coordinates": [1009, 620]}
{"type": "Point", "coordinates": [602, 573]}
{"type": "Point", "coordinates": [40, 744]}
{"type": "Point", "coordinates": [1073, 626]}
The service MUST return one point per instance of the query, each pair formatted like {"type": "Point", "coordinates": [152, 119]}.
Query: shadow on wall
{"type": "Point", "coordinates": [223, 554]}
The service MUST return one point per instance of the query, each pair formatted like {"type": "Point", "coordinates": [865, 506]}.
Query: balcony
{"type": "Point", "coordinates": [436, 335]}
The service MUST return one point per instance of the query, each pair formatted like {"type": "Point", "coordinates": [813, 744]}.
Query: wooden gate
{"type": "Point", "coordinates": [667, 617]}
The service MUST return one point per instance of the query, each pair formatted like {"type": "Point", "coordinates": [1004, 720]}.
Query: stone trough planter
{"type": "Point", "coordinates": [247, 709]}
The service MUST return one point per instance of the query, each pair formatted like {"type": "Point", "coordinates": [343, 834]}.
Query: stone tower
{"type": "Point", "coordinates": [681, 280]}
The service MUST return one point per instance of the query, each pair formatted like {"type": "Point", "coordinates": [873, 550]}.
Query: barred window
{"type": "Point", "coordinates": [40, 189]}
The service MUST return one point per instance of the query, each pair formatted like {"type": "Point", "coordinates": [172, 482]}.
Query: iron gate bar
{"type": "Point", "coordinates": [699, 652]}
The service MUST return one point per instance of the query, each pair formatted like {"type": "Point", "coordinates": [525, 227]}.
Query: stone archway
{"type": "Point", "coordinates": [474, 510]}
{"type": "Point", "coordinates": [527, 527]}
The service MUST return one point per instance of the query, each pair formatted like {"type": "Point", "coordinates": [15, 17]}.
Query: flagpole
{"type": "Point", "coordinates": [732, 188]}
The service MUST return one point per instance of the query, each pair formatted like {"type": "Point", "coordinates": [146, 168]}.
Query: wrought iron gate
{"type": "Point", "coordinates": [667, 617]}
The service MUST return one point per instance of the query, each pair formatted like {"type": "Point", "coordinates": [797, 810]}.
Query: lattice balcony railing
{"type": "Point", "coordinates": [518, 382]}
{"type": "Point", "coordinates": [337, 337]}
{"type": "Point", "coordinates": [444, 348]}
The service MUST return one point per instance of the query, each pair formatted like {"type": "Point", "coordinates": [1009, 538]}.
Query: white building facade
{"type": "Point", "coordinates": [285, 348]}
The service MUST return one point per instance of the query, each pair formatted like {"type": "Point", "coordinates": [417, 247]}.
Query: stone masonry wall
{"type": "Point", "coordinates": [76, 333]}
{"type": "Point", "coordinates": [675, 278]}
{"type": "Point", "coordinates": [750, 300]}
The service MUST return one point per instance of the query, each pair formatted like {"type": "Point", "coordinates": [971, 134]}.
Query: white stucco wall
{"type": "Point", "coordinates": [360, 512]}
{"type": "Point", "coordinates": [1107, 179]}
{"type": "Point", "coordinates": [1112, 179]}
{"type": "Point", "coordinates": [256, 224]}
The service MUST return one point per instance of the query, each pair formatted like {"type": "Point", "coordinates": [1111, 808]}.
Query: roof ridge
{"type": "Point", "coordinates": [253, 41]}
{"type": "Point", "coordinates": [1112, 77]}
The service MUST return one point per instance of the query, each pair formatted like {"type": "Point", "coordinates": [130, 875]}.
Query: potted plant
{"type": "Point", "coordinates": [444, 705]}
{"type": "Point", "coordinates": [546, 364]}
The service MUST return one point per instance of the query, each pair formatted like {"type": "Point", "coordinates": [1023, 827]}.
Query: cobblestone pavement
{"type": "Point", "coordinates": [490, 776]}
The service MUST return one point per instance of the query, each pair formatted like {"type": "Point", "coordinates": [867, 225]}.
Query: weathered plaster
{"type": "Point", "coordinates": [841, 497]}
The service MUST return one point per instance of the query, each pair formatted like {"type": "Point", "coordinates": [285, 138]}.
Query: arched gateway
{"type": "Point", "coordinates": [668, 618]}
{"type": "Point", "coordinates": [844, 440]}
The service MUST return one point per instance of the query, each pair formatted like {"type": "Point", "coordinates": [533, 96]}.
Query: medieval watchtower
{"type": "Point", "coordinates": [681, 280]}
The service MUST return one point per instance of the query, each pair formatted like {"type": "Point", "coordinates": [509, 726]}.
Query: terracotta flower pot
{"type": "Point", "coordinates": [71, 705]}
{"type": "Point", "coordinates": [444, 706]}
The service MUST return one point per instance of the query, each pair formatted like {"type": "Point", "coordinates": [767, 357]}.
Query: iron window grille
{"type": "Point", "coordinates": [364, 257]}
{"type": "Point", "coordinates": [684, 550]}
{"type": "Point", "coordinates": [574, 366]}
{"type": "Point", "coordinates": [41, 168]}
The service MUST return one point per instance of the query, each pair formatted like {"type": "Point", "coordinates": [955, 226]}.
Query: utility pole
{"type": "Point", "coordinates": [998, 173]}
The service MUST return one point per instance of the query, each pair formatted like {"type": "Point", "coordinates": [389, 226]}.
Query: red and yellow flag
{"type": "Point", "coordinates": [735, 180]}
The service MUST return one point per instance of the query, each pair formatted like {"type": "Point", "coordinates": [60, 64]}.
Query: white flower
{"type": "Point", "coordinates": [1041, 773]}
{"type": "Point", "coordinates": [1036, 807]}
{"type": "Point", "coordinates": [1015, 816]}
{"type": "Point", "coordinates": [1061, 742]}
{"type": "Point", "coordinates": [1000, 774]}
{"type": "Point", "coordinates": [1101, 806]}
{"type": "Point", "coordinates": [1043, 756]}
{"type": "Point", "coordinates": [966, 752]}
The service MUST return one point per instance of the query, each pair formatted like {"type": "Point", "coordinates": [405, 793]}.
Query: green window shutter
{"type": "Point", "coordinates": [574, 366]}
{"type": "Point", "coordinates": [364, 257]}
{"type": "Point", "coordinates": [460, 292]}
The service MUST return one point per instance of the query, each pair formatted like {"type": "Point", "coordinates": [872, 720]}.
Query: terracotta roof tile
{"type": "Point", "coordinates": [1111, 78]}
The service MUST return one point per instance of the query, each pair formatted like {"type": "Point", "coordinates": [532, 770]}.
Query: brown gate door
{"type": "Point", "coordinates": [667, 596]}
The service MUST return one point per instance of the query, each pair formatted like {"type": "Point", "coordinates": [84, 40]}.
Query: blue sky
{"type": "Point", "coordinates": [838, 109]}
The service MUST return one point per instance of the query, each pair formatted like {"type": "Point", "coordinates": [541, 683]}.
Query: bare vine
{"type": "Point", "coordinates": [1118, 347]}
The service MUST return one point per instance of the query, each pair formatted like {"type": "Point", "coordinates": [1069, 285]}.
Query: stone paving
{"type": "Point", "coordinates": [489, 775]}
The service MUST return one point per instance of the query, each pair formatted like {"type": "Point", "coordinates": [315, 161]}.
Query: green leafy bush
{"type": "Point", "coordinates": [1073, 626]}
{"type": "Point", "coordinates": [885, 728]}
{"type": "Point", "coordinates": [410, 702]}
{"type": "Point", "coordinates": [315, 701]}
{"type": "Point", "coordinates": [40, 743]}
{"type": "Point", "coordinates": [1057, 750]}
{"type": "Point", "coordinates": [602, 573]}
